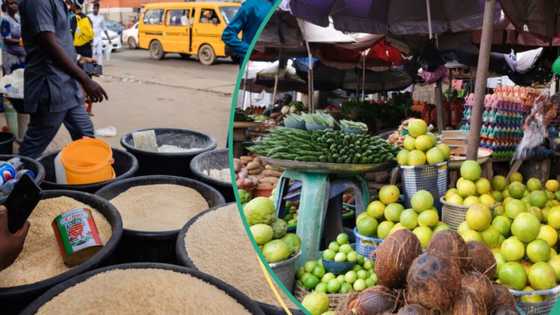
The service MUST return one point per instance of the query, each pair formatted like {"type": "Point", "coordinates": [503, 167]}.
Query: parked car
{"type": "Point", "coordinates": [114, 26]}
{"type": "Point", "coordinates": [130, 37]}
{"type": "Point", "coordinates": [116, 42]}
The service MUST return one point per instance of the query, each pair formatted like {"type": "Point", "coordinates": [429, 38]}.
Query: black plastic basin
{"type": "Point", "coordinates": [144, 246]}
{"type": "Point", "coordinates": [184, 259]}
{"type": "Point", "coordinates": [175, 164]}
{"type": "Point", "coordinates": [125, 166]}
{"type": "Point", "coordinates": [14, 299]}
{"type": "Point", "coordinates": [226, 288]}
{"type": "Point", "coordinates": [215, 159]}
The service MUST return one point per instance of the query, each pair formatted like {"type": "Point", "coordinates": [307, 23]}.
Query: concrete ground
{"type": "Point", "coordinates": [173, 93]}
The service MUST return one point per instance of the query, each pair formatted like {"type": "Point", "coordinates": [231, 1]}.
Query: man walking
{"type": "Point", "coordinates": [247, 20]}
{"type": "Point", "coordinates": [52, 77]}
{"type": "Point", "coordinates": [99, 29]}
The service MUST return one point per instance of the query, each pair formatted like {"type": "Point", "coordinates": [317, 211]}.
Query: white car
{"type": "Point", "coordinates": [130, 37]}
{"type": "Point", "coordinates": [115, 40]}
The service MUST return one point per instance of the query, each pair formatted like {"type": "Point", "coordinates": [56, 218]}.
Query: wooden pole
{"type": "Point", "coordinates": [481, 78]}
{"type": "Point", "coordinates": [439, 106]}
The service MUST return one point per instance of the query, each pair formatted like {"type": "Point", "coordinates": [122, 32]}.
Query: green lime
{"type": "Point", "coordinates": [310, 281]}
{"type": "Point", "coordinates": [351, 276]}
{"type": "Point", "coordinates": [342, 239]}
{"type": "Point", "coordinates": [361, 259]}
{"type": "Point", "coordinates": [370, 282]}
{"type": "Point", "coordinates": [319, 271]}
{"type": "Point", "coordinates": [368, 264]}
{"type": "Point", "coordinates": [359, 285]}
{"type": "Point", "coordinates": [362, 274]}
{"type": "Point", "coordinates": [333, 286]}
{"type": "Point", "coordinates": [340, 257]}
{"type": "Point", "coordinates": [327, 277]}
{"type": "Point", "coordinates": [310, 265]}
{"type": "Point", "coordinates": [352, 257]}
{"type": "Point", "coordinates": [345, 248]}
{"type": "Point", "coordinates": [345, 288]}
{"type": "Point", "coordinates": [329, 254]}
{"type": "Point", "coordinates": [321, 287]}
{"type": "Point", "coordinates": [334, 246]}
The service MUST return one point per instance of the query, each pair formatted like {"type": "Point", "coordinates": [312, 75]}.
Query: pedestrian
{"type": "Point", "coordinates": [11, 245]}
{"type": "Point", "coordinates": [82, 31]}
{"type": "Point", "coordinates": [248, 19]}
{"type": "Point", "coordinates": [99, 29]}
{"type": "Point", "coordinates": [13, 53]}
{"type": "Point", "coordinates": [52, 92]}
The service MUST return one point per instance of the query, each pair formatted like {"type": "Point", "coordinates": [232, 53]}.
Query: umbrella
{"type": "Point", "coordinates": [539, 17]}
{"type": "Point", "coordinates": [398, 17]}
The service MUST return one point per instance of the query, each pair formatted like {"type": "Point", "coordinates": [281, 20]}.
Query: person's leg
{"type": "Point", "coordinates": [98, 51]}
{"type": "Point", "coordinates": [41, 131]}
{"type": "Point", "coordinates": [78, 123]}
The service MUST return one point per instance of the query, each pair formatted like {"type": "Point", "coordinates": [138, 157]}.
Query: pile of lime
{"type": "Point", "coordinates": [386, 215]}
{"type": "Point", "coordinates": [270, 233]}
{"type": "Point", "coordinates": [522, 233]}
{"type": "Point", "coordinates": [292, 216]}
{"type": "Point", "coordinates": [314, 277]}
{"type": "Point", "coordinates": [421, 147]}
{"type": "Point", "coordinates": [472, 188]}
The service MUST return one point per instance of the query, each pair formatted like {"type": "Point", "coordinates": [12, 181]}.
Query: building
{"type": "Point", "coordinates": [127, 12]}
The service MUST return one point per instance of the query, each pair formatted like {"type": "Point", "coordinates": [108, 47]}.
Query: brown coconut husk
{"type": "Point", "coordinates": [503, 299]}
{"type": "Point", "coordinates": [394, 257]}
{"type": "Point", "coordinates": [505, 311]}
{"type": "Point", "coordinates": [481, 259]}
{"type": "Point", "coordinates": [433, 282]}
{"type": "Point", "coordinates": [373, 301]}
{"type": "Point", "coordinates": [414, 309]}
{"type": "Point", "coordinates": [449, 244]}
{"type": "Point", "coordinates": [468, 303]}
{"type": "Point", "coordinates": [480, 285]}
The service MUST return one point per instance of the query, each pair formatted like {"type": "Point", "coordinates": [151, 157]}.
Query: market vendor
{"type": "Point", "coordinates": [11, 245]}
{"type": "Point", "coordinates": [13, 53]}
{"type": "Point", "coordinates": [247, 20]}
{"type": "Point", "coordinates": [52, 93]}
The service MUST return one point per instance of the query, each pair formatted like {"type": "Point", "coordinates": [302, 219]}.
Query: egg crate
{"type": "Point", "coordinates": [541, 308]}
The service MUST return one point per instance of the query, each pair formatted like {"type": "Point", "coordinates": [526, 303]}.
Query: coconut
{"type": "Point", "coordinates": [394, 256]}
{"type": "Point", "coordinates": [372, 301]}
{"type": "Point", "coordinates": [503, 298]}
{"type": "Point", "coordinates": [414, 309]}
{"type": "Point", "coordinates": [482, 259]}
{"type": "Point", "coordinates": [433, 282]}
{"type": "Point", "coordinates": [505, 311]}
{"type": "Point", "coordinates": [468, 303]}
{"type": "Point", "coordinates": [450, 244]}
{"type": "Point", "coordinates": [480, 285]}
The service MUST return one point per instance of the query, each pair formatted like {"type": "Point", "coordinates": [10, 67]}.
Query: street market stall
{"type": "Point", "coordinates": [454, 228]}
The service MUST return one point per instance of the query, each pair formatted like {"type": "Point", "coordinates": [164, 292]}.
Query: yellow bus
{"type": "Point", "coordinates": [186, 28]}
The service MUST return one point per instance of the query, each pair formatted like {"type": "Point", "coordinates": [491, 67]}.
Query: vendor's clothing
{"type": "Point", "coordinates": [44, 125]}
{"type": "Point", "coordinates": [85, 50]}
{"type": "Point", "coordinates": [52, 97]}
{"type": "Point", "coordinates": [13, 55]}
{"type": "Point", "coordinates": [247, 20]}
{"type": "Point", "coordinates": [99, 29]}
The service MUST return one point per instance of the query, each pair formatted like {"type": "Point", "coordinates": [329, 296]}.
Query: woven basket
{"type": "Point", "coordinates": [541, 308]}
{"type": "Point", "coordinates": [432, 178]}
{"type": "Point", "coordinates": [452, 215]}
{"type": "Point", "coordinates": [335, 300]}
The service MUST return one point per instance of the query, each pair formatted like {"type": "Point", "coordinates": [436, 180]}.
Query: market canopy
{"type": "Point", "coordinates": [398, 17]}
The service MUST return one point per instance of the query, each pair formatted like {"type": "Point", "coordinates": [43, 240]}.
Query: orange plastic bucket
{"type": "Point", "coordinates": [87, 161]}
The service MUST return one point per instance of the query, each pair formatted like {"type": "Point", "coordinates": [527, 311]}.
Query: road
{"type": "Point", "coordinates": [173, 93]}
